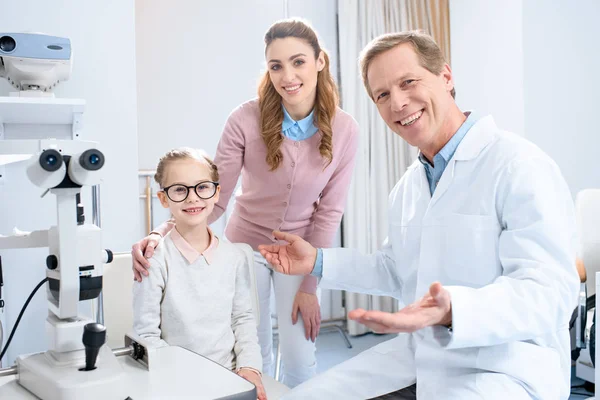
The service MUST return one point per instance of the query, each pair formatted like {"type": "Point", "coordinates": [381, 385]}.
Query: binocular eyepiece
{"type": "Point", "coordinates": [91, 160]}
{"type": "Point", "coordinates": [50, 160]}
{"type": "Point", "coordinates": [50, 168]}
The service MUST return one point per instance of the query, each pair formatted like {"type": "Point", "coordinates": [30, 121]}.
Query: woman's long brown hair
{"type": "Point", "coordinates": [271, 112]}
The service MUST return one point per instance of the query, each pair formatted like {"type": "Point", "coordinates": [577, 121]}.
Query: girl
{"type": "Point", "coordinates": [295, 149]}
{"type": "Point", "coordinates": [197, 294]}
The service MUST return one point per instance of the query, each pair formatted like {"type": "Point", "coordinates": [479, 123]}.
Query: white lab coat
{"type": "Point", "coordinates": [499, 234]}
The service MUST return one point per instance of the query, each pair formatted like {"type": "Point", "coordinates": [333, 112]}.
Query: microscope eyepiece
{"type": "Point", "coordinates": [92, 160]}
{"type": "Point", "coordinates": [86, 168]}
{"type": "Point", "coordinates": [51, 160]}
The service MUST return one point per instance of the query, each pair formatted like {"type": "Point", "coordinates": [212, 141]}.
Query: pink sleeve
{"type": "Point", "coordinates": [229, 160]}
{"type": "Point", "coordinates": [329, 213]}
{"type": "Point", "coordinates": [165, 227]}
{"type": "Point", "coordinates": [309, 285]}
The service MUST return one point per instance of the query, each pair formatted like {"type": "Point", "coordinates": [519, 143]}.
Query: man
{"type": "Point", "coordinates": [480, 246]}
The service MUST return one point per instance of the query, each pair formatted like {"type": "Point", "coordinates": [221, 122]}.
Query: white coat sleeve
{"type": "Point", "coordinates": [537, 292]}
{"type": "Point", "coordinates": [349, 269]}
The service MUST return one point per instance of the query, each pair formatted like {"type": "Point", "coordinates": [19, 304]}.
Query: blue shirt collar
{"type": "Point", "coordinates": [304, 124]}
{"type": "Point", "coordinates": [450, 148]}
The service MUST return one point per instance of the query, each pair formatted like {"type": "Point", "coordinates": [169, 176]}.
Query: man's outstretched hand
{"type": "Point", "coordinates": [435, 308]}
{"type": "Point", "coordinates": [297, 257]}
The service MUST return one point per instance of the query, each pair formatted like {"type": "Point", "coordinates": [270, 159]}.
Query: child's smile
{"type": "Point", "coordinates": [193, 210]}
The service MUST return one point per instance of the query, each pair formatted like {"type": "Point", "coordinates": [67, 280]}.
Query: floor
{"type": "Point", "coordinates": [578, 392]}
{"type": "Point", "coordinates": [332, 350]}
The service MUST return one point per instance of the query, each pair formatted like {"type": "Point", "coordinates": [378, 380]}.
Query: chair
{"type": "Point", "coordinates": [118, 310]}
{"type": "Point", "coordinates": [117, 284]}
{"type": "Point", "coordinates": [587, 208]}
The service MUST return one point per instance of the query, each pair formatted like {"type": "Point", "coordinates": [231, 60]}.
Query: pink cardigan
{"type": "Point", "coordinates": [298, 197]}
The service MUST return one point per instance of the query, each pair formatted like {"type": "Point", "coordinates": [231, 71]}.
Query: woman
{"type": "Point", "coordinates": [295, 150]}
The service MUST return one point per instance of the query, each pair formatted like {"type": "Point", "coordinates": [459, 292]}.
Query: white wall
{"type": "Point", "coordinates": [534, 66]}
{"type": "Point", "coordinates": [103, 39]}
{"type": "Point", "coordinates": [198, 60]}
{"type": "Point", "coordinates": [562, 85]}
{"type": "Point", "coordinates": [487, 59]}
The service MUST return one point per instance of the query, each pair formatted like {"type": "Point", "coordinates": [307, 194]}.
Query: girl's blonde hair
{"type": "Point", "coordinates": [271, 112]}
{"type": "Point", "coordinates": [182, 153]}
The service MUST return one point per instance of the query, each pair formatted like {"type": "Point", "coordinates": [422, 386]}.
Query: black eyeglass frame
{"type": "Point", "coordinates": [166, 191]}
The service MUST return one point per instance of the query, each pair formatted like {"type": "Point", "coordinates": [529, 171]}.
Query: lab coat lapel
{"type": "Point", "coordinates": [481, 134]}
{"type": "Point", "coordinates": [477, 138]}
{"type": "Point", "coordinates": [424, 192]}
{"type": "Point", "coordinates": [444, 182]}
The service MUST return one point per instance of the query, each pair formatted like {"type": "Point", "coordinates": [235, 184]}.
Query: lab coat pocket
{"type": "Point", "coordinates": [471, 249]}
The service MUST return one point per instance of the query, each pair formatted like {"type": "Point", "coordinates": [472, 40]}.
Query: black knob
{"type": "Point", "coordinates": [109, 256]}
{"type": "Point", "coordinates": [94, 336]}
{"type": "Point", "coordinates": [52, 262]}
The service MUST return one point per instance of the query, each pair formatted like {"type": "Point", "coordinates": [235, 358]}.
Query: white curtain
{"type": "Point", "coordinates": [383, 156]}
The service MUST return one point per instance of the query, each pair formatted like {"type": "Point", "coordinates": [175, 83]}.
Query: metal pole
{"type": "Point", "coordinates": [123, 351]}
{"type": "Point", "coordinates": [97, 220]}
{"type": "Point", "coordinates": [8, 371]}
{"type": "Point", "coordinates": [96, 216]}
{"type": "Point", "coordinates": [148, 204]}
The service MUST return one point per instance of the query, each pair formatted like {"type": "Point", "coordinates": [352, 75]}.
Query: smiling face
{"type": "Point", "coordinates": [192, 211]}
{"type": "Point", "coordinates": [293, 70]}
{"type": "Point", "coordinates": [415, 103]}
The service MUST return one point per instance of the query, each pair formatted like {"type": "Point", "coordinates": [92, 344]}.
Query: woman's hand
{"type": "Point", "coordinates": [254, 378]}
{"type": "Point", "coordinates": [308, 306]}
{"type": "Point", "coordinates": [141, 252]}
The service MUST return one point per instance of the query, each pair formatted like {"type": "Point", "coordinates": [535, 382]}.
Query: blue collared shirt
{"type": "Point", "coordinates": [440, 160]}
{"type": "Point", "coordinates": [434, 173]}
{"type": "Point", "coordinates": [298, 130]}
{"type": "Point", "coordinates": [318, 268]}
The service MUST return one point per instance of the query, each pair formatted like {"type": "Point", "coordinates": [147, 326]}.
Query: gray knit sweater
{"type": "Point", "coordinates": [205, 308]}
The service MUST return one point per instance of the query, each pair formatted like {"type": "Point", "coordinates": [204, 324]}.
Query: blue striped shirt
{"type": "Point", "coordinates": [440, 160]}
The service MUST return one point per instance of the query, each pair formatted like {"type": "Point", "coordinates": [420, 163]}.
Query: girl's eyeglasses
{"type": "Point", "coordinates": [178, 193]}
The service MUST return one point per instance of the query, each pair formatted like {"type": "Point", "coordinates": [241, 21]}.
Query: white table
{"type": "Point", "coordinates": [175, 373]}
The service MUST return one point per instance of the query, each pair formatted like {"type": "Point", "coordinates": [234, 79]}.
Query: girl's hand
{"type": "Point", "coordinates": [254, 378]}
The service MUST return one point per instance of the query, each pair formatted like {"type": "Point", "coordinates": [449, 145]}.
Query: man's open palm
{"type": "Point", "coordinates": [433, 309]}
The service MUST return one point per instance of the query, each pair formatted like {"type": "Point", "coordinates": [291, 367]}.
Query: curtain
{"type": "Point", "coordinates": [382, 156]}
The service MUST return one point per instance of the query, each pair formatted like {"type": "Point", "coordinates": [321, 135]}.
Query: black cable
{"type": "Point", "coordinates": [12, 333]}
